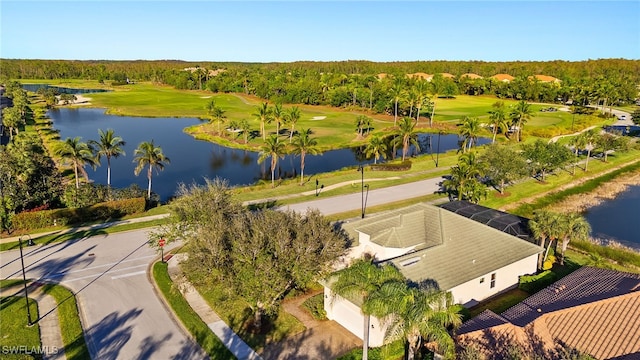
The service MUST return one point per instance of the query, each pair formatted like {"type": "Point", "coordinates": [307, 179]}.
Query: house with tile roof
{"type": "Point", "coordinates": [503, 77]}
{"type": "Point", "coordinates": [596, 311]}
{"type": "Point", "coordinates": [471, 76]}
{"type": "Point", "coordinates": [435, 247]}
{"type": "Point", "coordinates": [420, 75]}
{"type": "Point", "coordinates": [545, 79]}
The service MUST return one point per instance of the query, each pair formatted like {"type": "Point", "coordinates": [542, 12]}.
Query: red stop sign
{"type": "Point", "coordinates": [161, 242]}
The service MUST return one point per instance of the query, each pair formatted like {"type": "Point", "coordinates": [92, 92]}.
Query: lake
{"type": "Point", "coordinates": [193, 160]}
{"type": "Point", "coordinates": [618, 219]}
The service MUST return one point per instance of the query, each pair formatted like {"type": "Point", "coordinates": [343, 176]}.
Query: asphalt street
{"type": "Point", "coordinates": [122, 316]}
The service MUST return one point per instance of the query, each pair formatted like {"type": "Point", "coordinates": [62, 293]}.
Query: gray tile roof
{"type": "Point", "coordinates": [452, 249]}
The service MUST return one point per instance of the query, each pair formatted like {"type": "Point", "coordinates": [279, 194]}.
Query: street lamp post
{"type": "Point", "coordinates": [361, 169]}
{"type": "Point", "coordinates": [438, 150]}
{"type": "Point", "coordinates": [24, 277]}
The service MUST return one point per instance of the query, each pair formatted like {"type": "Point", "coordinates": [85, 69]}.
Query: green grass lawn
{"type": "Point", "coordinates": [15, 334]}
{"type": "Point", "coordinates": [189, 318]}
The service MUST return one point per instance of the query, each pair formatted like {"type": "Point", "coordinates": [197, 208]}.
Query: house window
{"type": "Point", "coordinates": [493, 280]}
{"type": "Point", "coordinates": [481, 280]}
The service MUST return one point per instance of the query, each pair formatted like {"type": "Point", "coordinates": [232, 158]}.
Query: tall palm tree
{"type": "Point", "coordinates": [79, 154]}
{"type": "Point", "coordinates": [109, 146]}
{"type": "Point", "coordinates": [498, 119]}
{"type": "Point", "coordinates": [469, 130]}
{"type": "Point", "coordinates": [396, 92]}
{"type": "Point", "coordinates": [588, 140]}
{"type": "Point", "coordinates": [464, 180]}
{"type": "Point", "coordinates": [420, 88]}
{"type": "Point", "coordinates": [304, 144]}
{"type": "Point", "coordinates": [147, 154]}
{"type": "Point", "coordinates": [278, 116]}
{"type": "Point", "coordinates": [575, 227]}
{"type": "Point", "coordinates": [520, 114]}
{"type": "Point", "coordinates": [292, 117]}
{"type": "Point", "coordinates": [360, 280]}
{"type": "Point", "coordinates": [415, 315]}
{"type": "Point", "coordinates": [274, 149]}
{"type": "Point", "coordinates": [377, 148]}
{"type": "Point", "coordinates": [263, 114]}
{"type": "Point", "coordinates": [406, 134]}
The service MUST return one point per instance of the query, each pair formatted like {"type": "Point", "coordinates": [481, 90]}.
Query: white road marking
{"type": "Point", "coordinates": [98, 266]}
{"type": "Point", "coordinates": [98, 274]}
{"type": "Point", "coordinates": [129, 274]}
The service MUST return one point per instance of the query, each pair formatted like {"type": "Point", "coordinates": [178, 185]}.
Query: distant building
{"type": "Point", "coordinates": [545, 79]}
{"type": "Point", "coordinates": [503, 77]}
{"type": "Point", "coordinates": [471, 76]}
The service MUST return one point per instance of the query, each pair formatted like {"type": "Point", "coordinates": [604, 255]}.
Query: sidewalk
{"type": "Point", "coordinates": [85, 228]}
{"type": "Point", "coordinates": [230, 339]}
{"type": "Point", "coordinates": [48, 321]}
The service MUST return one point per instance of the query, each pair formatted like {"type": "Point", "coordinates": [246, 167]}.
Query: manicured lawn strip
{"type": "Point", "coordinates": [589, 185]}
{"type": "Point", "coordinates": [315, 306]}
{"type": "Point", "coordinates": [500, 303]}
{"type": "Point", "coordinates": [54, 238]}
{"type": "Point", "coordinates": [191, 321]}
{"type": "Point", "coordinates": [75, 347]}
{"type": "Point", "coordinates": [7, 283]}
{"type": "Point", "coordinates": [623, 260]}
{"type": "Point", "coordinates": [531, 187]}
{"type": "Point", "coordinates": [14, 332]}
{"type": "Point", "coordinates": [434, 198]}
{"type": "Point", "coordinates": [234, 311]}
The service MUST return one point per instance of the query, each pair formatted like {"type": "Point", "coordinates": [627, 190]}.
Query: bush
{"type": "Point", "coordinates": [403, 166]}
{"type": "Point", "coordinates": [62, 217]}
{"type": "Point", "coordinates": [315, 306]}
{"type": "Point", "coordinates": [535, 283]}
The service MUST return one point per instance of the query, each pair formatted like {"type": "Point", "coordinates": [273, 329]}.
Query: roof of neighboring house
{"type": "Point", "coordinates": [545, 78]}
{"type": "Point", "coordinates": [500, 220]}
{"type": "Point", "coordinates": [449, 249]}
{"type": "Point", "coordinates": [596, 311]}
{"type": "Point", "coordinates": [471, 76]}
{"type": "Point", "coordinates": [381, 75]}
{"type": "Point", "coordinates": [503, 77]}
{"type": "Point", "coordinates": [447, 75]}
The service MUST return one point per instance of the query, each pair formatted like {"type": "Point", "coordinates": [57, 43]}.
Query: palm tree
{"type": "Point", "coordinates": [420, 88]}
{"type": "Point", "coordinates": [278, 116]}
{"type": "Point", "coordinates": [469, 130]}
{"type": "Point", "coordinates": [376, 147]}
{"type": "Point", "coordinates": [303, 144]}
{"type": "Point", "coordinates": [361, 122]}
{"type": "Point", "coordinates": [415, 315]}
{"type": "Point", "coordinates": [292, 116]}
{"type": "Point", "coordinates": [575, 227]}
{"type": "Point", "coordinates": [396, 93]}
{"type": "Point", "coordinates": [109, 146]}
{"type": "Point", "coordinates": [245, 128]}
{"type": "Point", "coordinates": [272, 147]}
{"type": "Point", "coordinates": [588, 140]}
{"type": "Point", "coordinates": [360, 280]}
{"type": "Point", "coordinates": [147, 154]}
{"type": "Point", "coordinates": [498, 119]}
{"type": "Point", "coordinates": [263, 114]}
{"type": "Point", "coordinates": [464, 180]}
{"type": "Point", "coordinates": [79, 154]}
{"type": "Point", "coordinates": [520, 114]}
{"type": "Point", "coordinates": [545, 225]}
{"type": "Point", "coordinates": [407, 135]}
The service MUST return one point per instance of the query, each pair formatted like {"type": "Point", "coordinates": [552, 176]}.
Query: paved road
{"type": "Point", "coordinates": [122, 316]}
{"type": "Point", "coordinates": [343, 203]}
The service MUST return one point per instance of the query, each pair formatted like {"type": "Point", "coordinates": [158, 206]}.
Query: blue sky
{"type": "Point", "coordinates": [265, 31]}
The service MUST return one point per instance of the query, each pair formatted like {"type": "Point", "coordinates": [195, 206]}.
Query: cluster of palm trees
{"type": "Point", "coordinates": [266, 114]}
{"type": "Point", "coordinates": [411, 313]}
{"type": "Point", "coordinates": [549, 228]}
{"type": "Point", "coordinates": [79, 154]}
{"type": "Point", "coordinates": [303, 144]}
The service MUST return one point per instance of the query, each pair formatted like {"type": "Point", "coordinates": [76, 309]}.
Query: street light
{"type": "Point", "coordinates": [438, 150]}
{"type": "Point", "coordinates": [24, 277]}
{"type": "Point", "coordinates": [361, 170]}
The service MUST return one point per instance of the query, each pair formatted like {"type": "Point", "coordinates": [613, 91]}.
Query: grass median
{"type": "Point", "coordinates": [189, 318]}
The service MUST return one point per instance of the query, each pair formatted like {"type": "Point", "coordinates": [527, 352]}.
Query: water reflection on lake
{"type": "Point", "coordinates": [192, 160]}
{"type": "Point", "coordinates": [618, 219]}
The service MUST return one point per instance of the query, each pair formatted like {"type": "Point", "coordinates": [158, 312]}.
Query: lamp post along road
{"type": "Point", "coordinates": [361, 169]}
{"type": "Point", "coordinates": [24, 277]}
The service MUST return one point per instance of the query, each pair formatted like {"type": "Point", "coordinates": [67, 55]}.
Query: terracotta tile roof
{"type": "Point", "coordinates": [420, 75]}
{"type": "Point", "coordinates": [596, 311]}
{"type": "Point", "coordinates": [382, 76]}
{"type": "Point", "coordinates": [447, 75]}
{"type": "Point", "coordinates": [503, 77]}
{"type": "Point", "coordinates": [544, 78]}
{"type": "Point", "coordinates": [471, 76]}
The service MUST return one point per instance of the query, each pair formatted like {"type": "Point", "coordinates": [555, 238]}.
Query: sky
{"type": "Point", "coordinates": [285, 31]}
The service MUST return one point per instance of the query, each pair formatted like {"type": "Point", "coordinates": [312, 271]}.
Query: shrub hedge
{"type": "Point", "coordinates": [403, 166]}
{"type": "Point", "coordinates": [101, 211]}
{"type": "Point", "coordinates": [535, 283]}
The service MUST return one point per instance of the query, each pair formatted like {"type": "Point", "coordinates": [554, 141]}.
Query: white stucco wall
{"type": "Point", "coordinates": [471, 292]}
{"type": "Point", "coordinates": [349, 316]}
